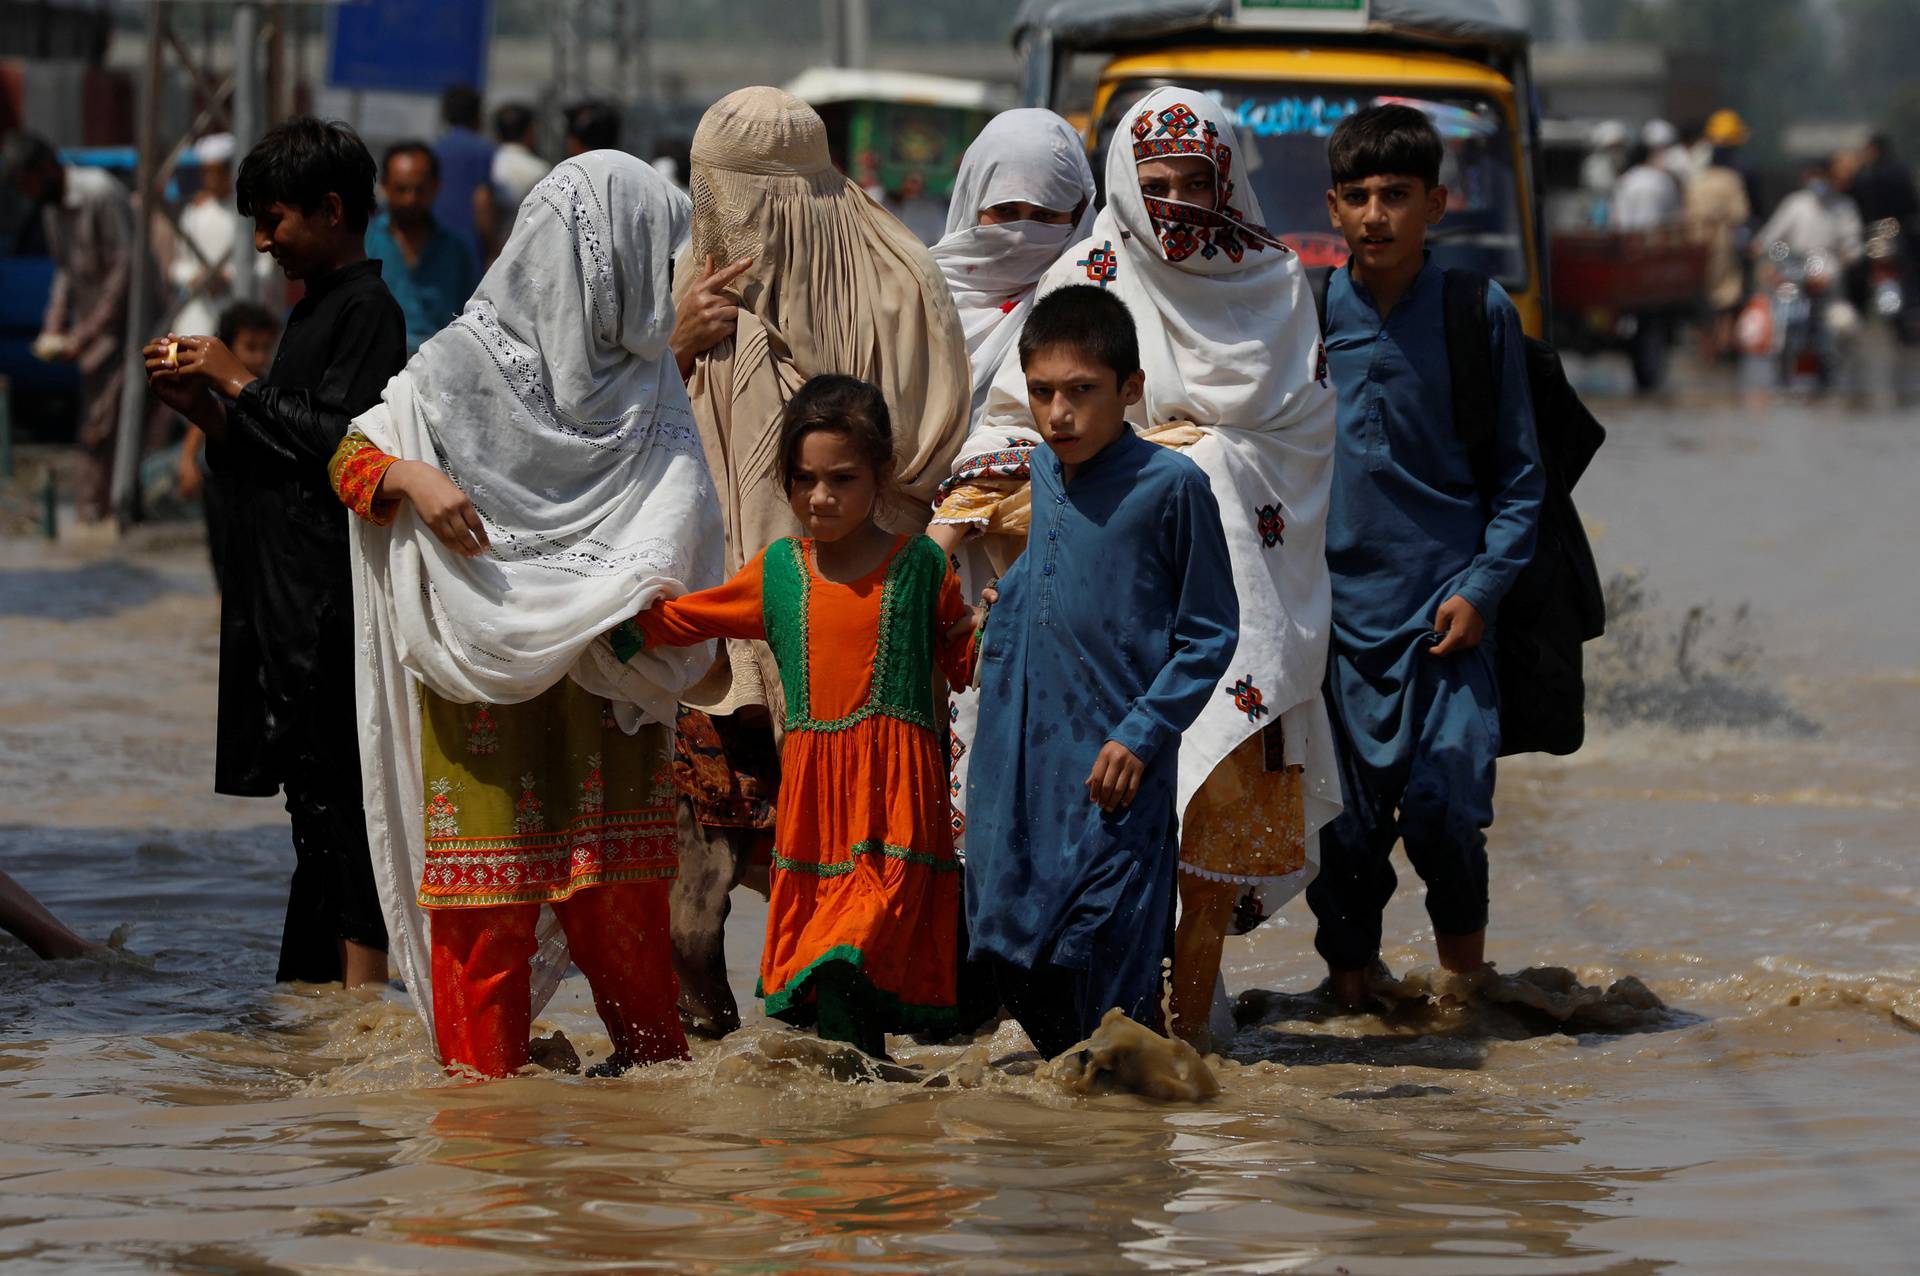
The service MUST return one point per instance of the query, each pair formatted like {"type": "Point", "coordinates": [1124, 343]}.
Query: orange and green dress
{"type": "Point", "coordinates": [865, 880]}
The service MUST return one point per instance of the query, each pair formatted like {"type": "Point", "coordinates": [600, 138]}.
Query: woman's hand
{"type": "Point", "coordinates": [708, 315]}
{"type": "Point", "coordinates": [441, 505]}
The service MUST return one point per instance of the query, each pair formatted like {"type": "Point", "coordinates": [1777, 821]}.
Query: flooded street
{"type": "Point", "coordinates": [1739, 836]}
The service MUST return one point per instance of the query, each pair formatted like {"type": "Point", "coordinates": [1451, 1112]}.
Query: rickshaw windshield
{"type": "Point", "coordinates": [1287, 126]}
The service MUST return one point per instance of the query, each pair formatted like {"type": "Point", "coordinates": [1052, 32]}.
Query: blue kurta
{"type": "Point", "coordinates": [1407, 527]}
{"type": "Point", "coordinates": [1117, 623]}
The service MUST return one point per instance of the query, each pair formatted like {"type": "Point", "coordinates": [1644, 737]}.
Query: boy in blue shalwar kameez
{"type": "Point", "coordinates": [1420, 560]}
{"type": "Point", "coordinates": [1109, 635]}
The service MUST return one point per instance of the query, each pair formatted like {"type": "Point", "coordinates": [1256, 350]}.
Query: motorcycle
{"type": "Point", "coordinates": [1808, 320]}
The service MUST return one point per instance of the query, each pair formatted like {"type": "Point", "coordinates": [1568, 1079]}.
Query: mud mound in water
{"type": "Point", "coordinates": [1433, 1018]}
{"type": "Point", "coordinates": [1123, 1057]}
{"type": "Point", "coordinates": [1551, 993]}
{"type": "Point", "coordinates": [1699, 673]}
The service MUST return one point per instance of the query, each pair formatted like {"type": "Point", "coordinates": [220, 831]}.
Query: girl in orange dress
{"type": "Point", "coordinates": [861, 926]}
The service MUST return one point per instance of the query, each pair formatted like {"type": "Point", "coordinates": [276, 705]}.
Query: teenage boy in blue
{"type": "Point", "coordinates": [1420, 560]}
{"type": "Point", "coordinates": [1109, 635]}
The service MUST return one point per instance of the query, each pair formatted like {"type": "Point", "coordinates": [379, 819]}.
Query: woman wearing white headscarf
{"type": "Point", "coordinates": [1235, 376]}
{"type": "Point", "coordinates": [1024, 192]}
{"type": "Point", "coordinates": [530, 481]}
{"type": "Point", "coordinates": [792, 272]}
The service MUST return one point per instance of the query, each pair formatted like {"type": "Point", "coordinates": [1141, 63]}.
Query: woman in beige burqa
{"type": "Point", "coordinates": [792, 272]}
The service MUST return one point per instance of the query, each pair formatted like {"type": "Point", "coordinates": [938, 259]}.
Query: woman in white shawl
{"type": "Point", "coordinates": [1024, 192]}
{"type": "Point", "coordinates": [530, 482]}
{"type": "Point", "coordinates": [1235, 376]}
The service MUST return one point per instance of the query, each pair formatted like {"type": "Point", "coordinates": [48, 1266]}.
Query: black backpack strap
{"type": "Point", "coordinates": [1318, 277]}
{"type": "Point", "coordinates": [1476, 382]}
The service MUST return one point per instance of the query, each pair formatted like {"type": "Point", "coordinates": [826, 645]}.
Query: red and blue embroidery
{"type": "Point", "coordinates": [1181, 132]}
{"type": "Point", "coordinates": [1247, 699]}
{"type": "Point", "coordinates": [1178, 120]}
{"type": "Point", "coordinates": [1185, 229]}
{"type": "Point", "coordinates": [1102, 264]}
{"type": "Point", "coordinates": [1272, 525]}
{"type": "Point", "coordinates": [1009, 463]}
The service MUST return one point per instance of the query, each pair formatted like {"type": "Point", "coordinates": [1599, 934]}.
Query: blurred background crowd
{"type": "Point", "coordinates": [1717, 179]}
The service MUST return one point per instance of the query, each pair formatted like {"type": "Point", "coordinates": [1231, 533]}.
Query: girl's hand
{"type": "Point", "coordinates": [967, 624]}
{"type": "Point", "coordinates": [1115, 779]}
{"type": "Point", "coordinates": [441, 505]}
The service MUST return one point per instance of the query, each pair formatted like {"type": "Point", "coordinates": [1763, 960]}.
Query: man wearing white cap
{"type": "Point", "coordinates": [208, 223]}
{"type": "Point", "coordinates": [1647, 194]}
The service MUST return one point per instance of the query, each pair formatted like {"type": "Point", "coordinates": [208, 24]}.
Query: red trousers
{"type": "Point", "coordinates": [618, 934]}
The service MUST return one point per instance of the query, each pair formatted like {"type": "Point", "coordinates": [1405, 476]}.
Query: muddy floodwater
{"type": "Point", "coordinates": [1734, 856]}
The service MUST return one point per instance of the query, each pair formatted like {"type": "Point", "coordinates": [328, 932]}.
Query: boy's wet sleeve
{"type": "Point", "coordinates": [1206, 626]}
{"type": "Point", "coordinates": [1519, 482]}
{"type": "Point", "coordinates": [305, 427]}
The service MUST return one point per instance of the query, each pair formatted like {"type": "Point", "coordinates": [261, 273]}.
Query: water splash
{"type": "Point", "coordinates": [1701, 673]}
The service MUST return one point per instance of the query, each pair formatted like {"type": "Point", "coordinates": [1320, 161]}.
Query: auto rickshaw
{"type": "Point", "coordinates": [1289, 71]}
{"type": "Point", "coordinates": [901, 134]}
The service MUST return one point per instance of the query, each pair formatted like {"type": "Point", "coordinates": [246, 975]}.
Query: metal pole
{"type": "Point", "coordinates": [859, 27]}
{"type": "Point", "coordinates": [247, 127]}
{"type": "Point", "coordinates": [646, 91]}
{"type": "Point", "coordinates": [6, 428]}
{"type": "Point", "coordinates": [832, 29]}
{"type": "Point", "coordinates": [133, 381]}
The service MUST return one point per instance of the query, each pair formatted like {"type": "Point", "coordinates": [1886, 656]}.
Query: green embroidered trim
{"type": "Point", "coordinates": [904, 1016]}
{"type": "Point", "coordinates": [783, 608]}
{"type": "Point", "coordinates": [903, 670]}
{"type": "Point", "coordinates": [871, 846]}
{"type": "Point", "coordinates": [902, 684]}
{"type": "Point", "coordinates": [628, 640]}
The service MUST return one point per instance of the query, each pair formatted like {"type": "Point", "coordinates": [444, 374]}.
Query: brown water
{"type": "Point", "coordinates": [1743, 842]}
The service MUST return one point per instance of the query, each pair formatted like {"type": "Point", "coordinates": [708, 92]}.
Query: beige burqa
{"type": "Point", "coordinates": [837, 285]}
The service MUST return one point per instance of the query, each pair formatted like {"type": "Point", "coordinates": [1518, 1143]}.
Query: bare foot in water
{"type": "Point", "coordinates": [1349, 989]}
{"type": "Point", "coordinates": [1462, 954]}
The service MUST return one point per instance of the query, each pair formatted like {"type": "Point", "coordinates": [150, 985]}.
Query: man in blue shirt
{"type": "Point", "coordinates": [427, 268]}
{"type": "Point", "coordinates": [466, 203]}
{"type": "Point", "coordinates": [1421, 550]}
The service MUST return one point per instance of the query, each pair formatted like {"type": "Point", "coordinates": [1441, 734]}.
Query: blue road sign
{"type": "Point", "coordinates": [410, 46]}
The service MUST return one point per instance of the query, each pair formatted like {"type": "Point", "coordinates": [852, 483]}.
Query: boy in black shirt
{"type": "Point", "coordinates": [286, 640]}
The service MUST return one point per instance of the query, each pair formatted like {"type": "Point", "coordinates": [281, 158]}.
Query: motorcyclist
{"type": "Point", "coordinates": [1821, 227]}
{"type": "Point", "coordinates": [1816, 223]}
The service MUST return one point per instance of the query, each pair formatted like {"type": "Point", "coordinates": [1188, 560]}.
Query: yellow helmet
{"type": "Point", "coordinates": [1726, 128]}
